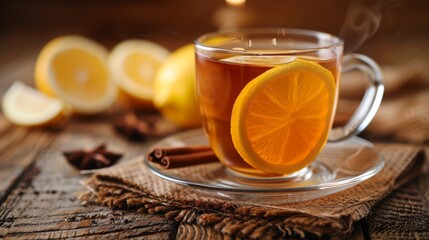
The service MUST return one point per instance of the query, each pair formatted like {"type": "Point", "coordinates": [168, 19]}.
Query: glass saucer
{"type": "Point", "coordinates": [339, 166]}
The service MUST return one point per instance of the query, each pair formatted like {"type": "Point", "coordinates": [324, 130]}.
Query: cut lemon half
{"type": "Point", "coordinates": [281, 119]}
{"type": "Point", "coordinates": [74, 69]}
{"type": "Point", "coordinates": [25, 106]}
{"type": "Point", "coordinates": [133, 65]}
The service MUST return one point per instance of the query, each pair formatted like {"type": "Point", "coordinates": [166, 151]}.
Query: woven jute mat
{"type": "Point", "coordinates": [403, 214]}
{"type": "Point", "coordinates": [133, 186]}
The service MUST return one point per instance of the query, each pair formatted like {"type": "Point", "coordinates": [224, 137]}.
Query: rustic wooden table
{"type": "Point", "coordinates": [38, 187]}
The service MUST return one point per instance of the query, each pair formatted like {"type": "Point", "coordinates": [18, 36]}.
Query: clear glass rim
{"type": "Point", "coordinates": [332, 41]}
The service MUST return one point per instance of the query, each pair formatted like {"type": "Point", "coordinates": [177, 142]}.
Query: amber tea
{"type": "Point", "coordinates": [219, 81]}
{"type": "Point", "coordinates": [227, 62]}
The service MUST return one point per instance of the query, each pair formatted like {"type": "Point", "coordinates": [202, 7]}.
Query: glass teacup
{"type": "Point", "coordinates": [227, 61]}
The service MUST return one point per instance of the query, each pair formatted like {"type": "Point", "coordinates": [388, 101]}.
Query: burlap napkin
{"type": "Point", "coordinates": [133, 186]}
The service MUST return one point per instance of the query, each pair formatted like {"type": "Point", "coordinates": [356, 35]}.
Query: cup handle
{"type": "Point", "coordinates": [371, 99]}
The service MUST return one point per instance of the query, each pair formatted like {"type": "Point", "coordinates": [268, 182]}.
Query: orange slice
{"type": "Point", "coordinates": [281, 119]}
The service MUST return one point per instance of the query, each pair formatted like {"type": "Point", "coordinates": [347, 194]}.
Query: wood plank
{"type": "Point", "coordinates": [44, 205]}
{"type": "Point", "coordinates": [18, 147]}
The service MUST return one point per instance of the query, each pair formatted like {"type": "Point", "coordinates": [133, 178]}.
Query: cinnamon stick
{"type": "Point", "coordinates": [158, 153]}
{"type": "Point", "coordinates": [181, 156]}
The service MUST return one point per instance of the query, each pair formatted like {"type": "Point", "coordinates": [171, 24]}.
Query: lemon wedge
{"type": "Point", "coordinates": [74, 69]}
{"type": "Point", "coordinates": [133, 65]}
{"type": "Point", "coordinates": [25, 106]}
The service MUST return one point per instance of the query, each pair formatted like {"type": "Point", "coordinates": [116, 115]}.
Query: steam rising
{"type": "Point", "coordinates": [362, 21]}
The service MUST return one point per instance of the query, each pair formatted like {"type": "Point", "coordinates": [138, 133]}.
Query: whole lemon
{"type": "Point", "coordinates": [175, 88]}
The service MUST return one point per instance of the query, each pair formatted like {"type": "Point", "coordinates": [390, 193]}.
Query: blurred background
{"type": "Point", "coordinates": [27, 25]}
{"type": "Point", "coordinates": [393, 32]}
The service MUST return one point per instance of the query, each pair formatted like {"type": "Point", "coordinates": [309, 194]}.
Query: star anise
{"type": "Point", "coordinates": [132, 127]}
{"type": "Point", "coordinates": [98, 157]}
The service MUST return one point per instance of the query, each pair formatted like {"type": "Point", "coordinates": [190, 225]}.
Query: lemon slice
{"type": "Point", "coordinates": [74, 69]}
{"type": "Point", "coordinates": [26, 106]}
{"type": "Point", "coordinates": [133, 65]}
{"type": "Point", "coordinates": [280, 120]}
